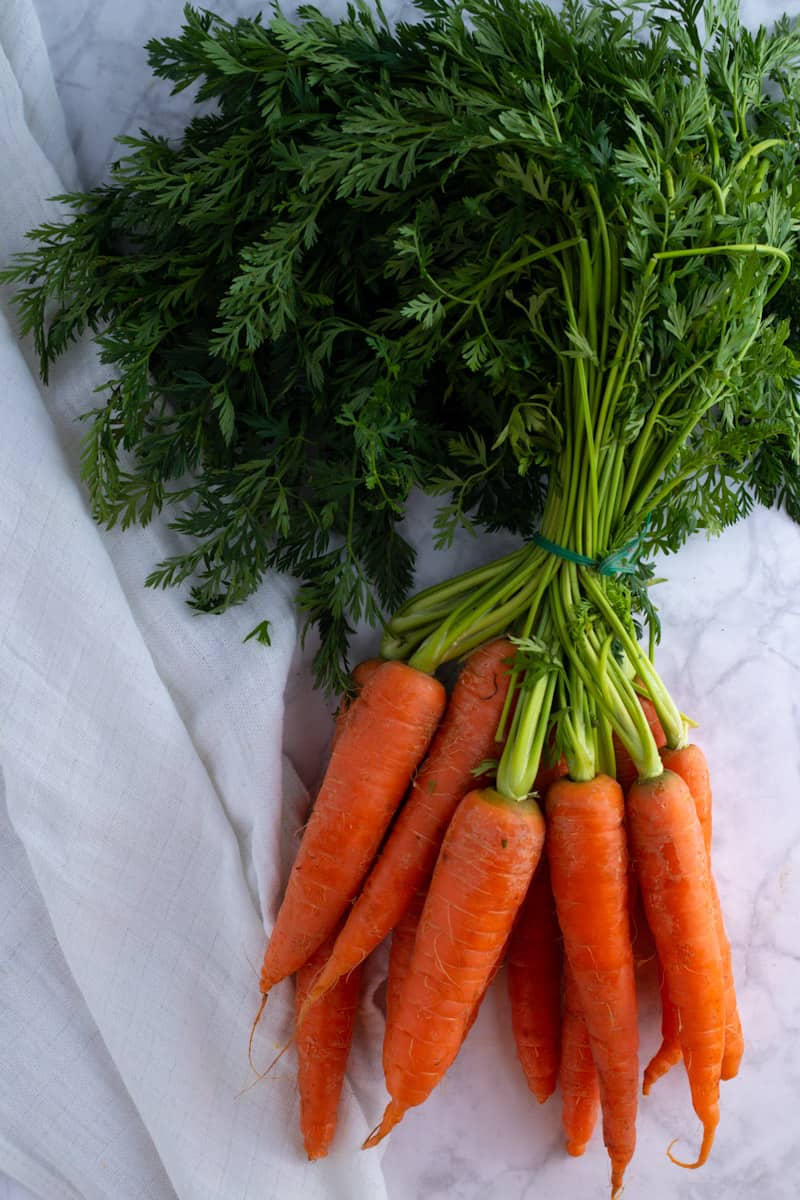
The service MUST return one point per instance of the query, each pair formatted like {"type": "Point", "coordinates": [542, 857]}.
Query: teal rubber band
{"type": "Point", "coordinates": [562, 552]}
{"type": "Point", "coordinates": [619, 562]}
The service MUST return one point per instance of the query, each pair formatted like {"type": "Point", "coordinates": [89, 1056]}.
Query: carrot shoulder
{"type": "Point", "coordinates": [382, 742]}
{"type": "Point", "coordinates": [588, 857]}
{"type": "Point", "coordinates": [534, 985]}
{"type": "Point", "coordinates": [673, 871]}
{"type": "Point", "coordinates": [465, 738]}
{"type": "Point", "coordinates": [359, 675]}
{"type": "Point", "coordinates": [481, 876]}
{"type": "Point", "coordinates": [323, 1047]}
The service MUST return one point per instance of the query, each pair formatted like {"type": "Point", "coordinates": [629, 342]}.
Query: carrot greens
{"type": "Point", "coordinates": [539, 265]}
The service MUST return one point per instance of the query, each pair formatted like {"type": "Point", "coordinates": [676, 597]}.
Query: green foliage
{"type": "Point", "coordinates": [416, 257]}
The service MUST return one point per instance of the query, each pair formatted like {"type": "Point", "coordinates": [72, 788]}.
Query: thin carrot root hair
{"type": "Point", "coordinates": [253, 1028]}
{"type": "Point", "coordinates": [262, 1074]}
{"type": "Point", "coordinates": [279, 1055]}
{"type": "Point", "coordinates": [259, 1075]}
{"type": "Point", "coordinates": [705, 1150]}
{"type": "Point", "coordinates": [393, 1116]}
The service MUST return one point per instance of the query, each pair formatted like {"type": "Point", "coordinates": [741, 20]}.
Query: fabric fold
{"type": "Point", "coordinates": [154, 813]}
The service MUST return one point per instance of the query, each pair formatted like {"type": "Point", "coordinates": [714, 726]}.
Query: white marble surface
{"type": "Point", "coordinates": [731, 655]}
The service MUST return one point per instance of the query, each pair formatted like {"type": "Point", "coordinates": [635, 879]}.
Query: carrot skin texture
{"type": "Point", "coordinates": [323, 1046]}
{"type": "Point", "coordinates": [370, 767]}
{"type": "Point", "coordinates": [401, 952]}
{"type": "Point", "coordinates": [485, 865]}
{"type": "Point", "coordinates": [586, 847]}
{"type": "Point", "coordinates": [577, 1076]}
{"type": "Point", "coordinates": [534, 985]}
{"type": "Point", "coordinates": [673, 870]}
{"type": "Point", "coordinates": [465, 738]}
{"type": "Point", "coordinates": [690, 763]}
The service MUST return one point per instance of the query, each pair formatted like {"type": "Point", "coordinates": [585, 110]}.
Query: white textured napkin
{"type": "Point", "coordinates": [149, 813]}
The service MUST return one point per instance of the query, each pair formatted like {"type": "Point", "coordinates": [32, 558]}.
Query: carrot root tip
{"type": "Point", "coordinates": [705, 1150]}
{"type": "Point", "coordinates": [617, 1187]}
{"type": "Point", "coordinates": [576, 1149]}
{"type": "Point", "coordinates": [393, 1115]}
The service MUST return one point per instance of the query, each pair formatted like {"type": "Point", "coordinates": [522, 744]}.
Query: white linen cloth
{"type": "Point", "coordinates": [149, 814]}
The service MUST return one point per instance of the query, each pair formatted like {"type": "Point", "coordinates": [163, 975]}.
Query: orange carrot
{"type": "Point", "coordinates": [626, 770]}
{"type": "Point", "coordinates": [674, 874]}
{"type": "Point", "coordinates": [588, 857]}
{"type": "Point", "coordinates": [668, 1053]}
{"type": "Point", "coordinates": [577, 1076]}
{"type": "Point", "coordinates": [323, 1046]}
{"type": "Point", "coordinates": [370, 768]}
{"type": "Point", "coordinates": [534, 985]}
{"type": "Point", "coordinates": [401, 952]}
{"type": "Point", "coordinates": [402, 949]}
{"type": "Point", "coordinates": [482, 873]}
{"type": "Point", "coordinates": [359, 675]}
{"type": "Point", "coordinates": [465, 738]}
{"type": "Point", "coordinates": [690, 763]}
{"type": "Point", "coordinates": [498, 965]}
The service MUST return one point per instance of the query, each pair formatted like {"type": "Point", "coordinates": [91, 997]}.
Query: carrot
{"type": "Point", "coordinates": [359, 675]}
{"type": "Point", "coordinates": [674, 874]}
{"type": "Point", "coordinates": [323, 1047]}
{"type": "Point", "coordinates": [577, 1076]}
{"type": "Point", "coordinates": [690, 763]}
{"type": "Point", "coordinates": [669, 1052]}
{"type": "Point", "coordinates": [465, 738]}
{"type": "Point", "coordinates": [369, 770]}
{"type": "Point", "coordinates": [534, 985]}
{"type": "Point", "coordinates": [625, 774]}
{"type": "Point", "coordinates": [485, 865]}
{"type": "Point", "coordinates": [401, 952]}
{"type": "Point", "coordinates": [588, 857]}
{"type": "Point", "coordinates": [402, 949]}
{"type": "Point", "coordinates": [626, 770]}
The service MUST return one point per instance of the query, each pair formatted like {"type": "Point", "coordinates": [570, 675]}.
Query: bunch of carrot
{"type": "Point", "coordinates": [421, 830]}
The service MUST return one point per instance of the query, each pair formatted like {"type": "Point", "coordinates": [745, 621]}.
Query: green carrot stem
{"type": "Point", "coordinates": [491, 609]}
{"type": "Point", "coordinates": [606, 759]}
{"type": "Point", "coordinates": [519, 762]}
{"type": "Point", "coordinates": [433, 599]}
{"type": "Point", "coordinates": [673, 723]}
